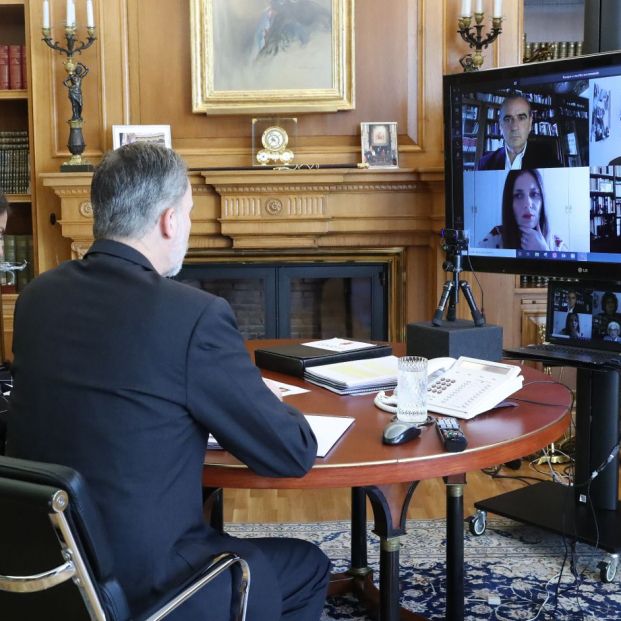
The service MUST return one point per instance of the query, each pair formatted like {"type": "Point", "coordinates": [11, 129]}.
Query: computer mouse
{"type": "Point", "coordinates": [398, 432]}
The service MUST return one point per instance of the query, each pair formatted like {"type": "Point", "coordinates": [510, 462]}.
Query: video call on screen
{"type": "Point", "coordinates": [586, 313]}
{"type": "Point", "coordinates": [576, 121]}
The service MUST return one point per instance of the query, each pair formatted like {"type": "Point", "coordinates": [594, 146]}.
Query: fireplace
{"type": "Point", "coordinates": [299, 298]}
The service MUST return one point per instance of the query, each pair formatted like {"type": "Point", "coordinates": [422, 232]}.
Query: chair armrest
{"type": "Point", "coordinates": [38, 582]}
{"type": "Point", "coordinates": [213, 570]}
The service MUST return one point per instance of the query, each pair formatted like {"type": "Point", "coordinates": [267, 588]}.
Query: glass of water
{"type": "Point", "coordinates": [412, 389]}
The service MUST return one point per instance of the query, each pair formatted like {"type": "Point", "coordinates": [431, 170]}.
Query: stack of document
{"type": "Point", "coordinates": [294, 359]}
{"type": "Point", "coordinates": [355, 377]}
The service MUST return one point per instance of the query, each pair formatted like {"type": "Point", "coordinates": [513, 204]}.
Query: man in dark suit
{"type": "Point", "coordinates": [516, 122]}
{"type": "Point", "coordinates": [122, 373]}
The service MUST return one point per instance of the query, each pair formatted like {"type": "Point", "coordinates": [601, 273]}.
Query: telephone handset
{"type": "Point", "coordinates": [435, 368]}
{"type": "Point", "coordinates": [466, 388]}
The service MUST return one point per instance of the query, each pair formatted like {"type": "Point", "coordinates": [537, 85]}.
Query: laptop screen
{"type": "Point", "coordinates": [585, 314]}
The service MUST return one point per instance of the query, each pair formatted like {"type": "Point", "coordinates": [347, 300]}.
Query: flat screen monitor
{"type": "Point", "coordinates": [533, 166]}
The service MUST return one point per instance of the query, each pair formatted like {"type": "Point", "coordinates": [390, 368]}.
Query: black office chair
{"type": "Point", "coordinates": [54, 559]}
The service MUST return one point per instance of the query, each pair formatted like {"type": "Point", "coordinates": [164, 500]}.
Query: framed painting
{"type": "Point", "coordinates": [266, 56]}
{"type": "Point", "coordinates": [126, 134]}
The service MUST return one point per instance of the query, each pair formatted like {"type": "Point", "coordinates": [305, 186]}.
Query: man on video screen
{"type": "Point", "coordinates": [516, 121]}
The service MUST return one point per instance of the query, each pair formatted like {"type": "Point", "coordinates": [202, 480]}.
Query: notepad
{"type": "Point", "coordinates": [327, 429]}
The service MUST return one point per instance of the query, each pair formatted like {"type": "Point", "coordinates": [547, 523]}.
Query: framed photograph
{"type": "Point", "coordinates": [126, 134]}
{"type": "Point", "coordinates": [379, 144]}
{"type": "Point", "coordinates": [272, 56]}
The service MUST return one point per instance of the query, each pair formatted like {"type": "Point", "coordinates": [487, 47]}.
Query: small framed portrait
{"type": "Point", "coordinates": [126, 134]}
{"type": "Point", "coordinates": [379, 144]}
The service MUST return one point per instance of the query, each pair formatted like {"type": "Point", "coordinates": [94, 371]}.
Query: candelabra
{"type": "Point", "coordinates": [76, 72]}
{"type": "Point", "coordinates": [473, 36]}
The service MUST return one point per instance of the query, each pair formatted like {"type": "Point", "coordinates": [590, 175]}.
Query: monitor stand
{"type": "Point", "coordinates": [588, 511]}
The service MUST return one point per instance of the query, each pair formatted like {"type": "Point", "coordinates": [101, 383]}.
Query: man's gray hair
{"type": "Point", "coordinates": [132, 186]}
{"type": "Point", "coordinates": [515, 97]}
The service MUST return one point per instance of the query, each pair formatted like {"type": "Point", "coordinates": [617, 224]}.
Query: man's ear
{"type": "Point", "coordinates": [168, 223]}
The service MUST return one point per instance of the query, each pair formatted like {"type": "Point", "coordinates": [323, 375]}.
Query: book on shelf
{"type": "Point", "coordinates": [12, 67]}
{"type": "Point", "coordinates": [294, 359]}
{"type": "Point", "coordinates": [356, 377]}
{"type": "Point", "coordinates": [24, 69]}
{"type": "Point", "coordinates": [14, 162]}
{"type": "Point", "coordinates": [15, 67]}
{"type": "Point", "coordinates": [4, 66]}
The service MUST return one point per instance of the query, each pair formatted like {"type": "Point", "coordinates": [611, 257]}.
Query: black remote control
{"type": "Point", "coordinates": [453, 437]}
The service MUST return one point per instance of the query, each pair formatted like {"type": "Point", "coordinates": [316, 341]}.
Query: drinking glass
{"type": "Point", "coordinates": [412, 389]}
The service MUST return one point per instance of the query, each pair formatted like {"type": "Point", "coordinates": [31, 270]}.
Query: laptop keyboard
{"type": "Point", "coordinates": [574, 353]}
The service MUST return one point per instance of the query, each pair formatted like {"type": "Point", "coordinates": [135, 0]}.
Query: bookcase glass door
{"type": "Point", "coordinates": [299, 301]}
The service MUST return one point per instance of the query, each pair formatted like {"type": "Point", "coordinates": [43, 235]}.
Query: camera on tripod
{"type": "Point", "coordinates": [455, 243]}
{"type": "Point", "coordinates": [454, 240]}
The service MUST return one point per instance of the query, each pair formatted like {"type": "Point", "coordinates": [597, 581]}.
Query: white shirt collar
{"type": "Point", "coordinates": [517, 162]}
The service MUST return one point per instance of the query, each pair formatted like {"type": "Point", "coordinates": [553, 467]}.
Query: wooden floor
{"type": "Point", "coordinates": [428, 502]}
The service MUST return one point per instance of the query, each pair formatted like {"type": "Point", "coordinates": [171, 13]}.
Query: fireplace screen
{"type": "Point", "coordinates": [313, 301]}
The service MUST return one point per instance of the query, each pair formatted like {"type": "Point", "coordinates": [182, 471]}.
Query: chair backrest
{"type": "Point", "coordinates": [53, 547]}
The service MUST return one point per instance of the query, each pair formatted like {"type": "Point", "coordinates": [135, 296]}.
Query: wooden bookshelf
{"type": "Point", "coordinates": [15, 116]}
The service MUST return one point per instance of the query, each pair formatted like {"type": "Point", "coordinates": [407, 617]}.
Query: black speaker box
{"type": "Point", "coordinates": [454, 339]}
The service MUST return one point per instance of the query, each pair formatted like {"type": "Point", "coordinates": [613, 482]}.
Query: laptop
{"type": "Point", "coordinates": [583, 326]}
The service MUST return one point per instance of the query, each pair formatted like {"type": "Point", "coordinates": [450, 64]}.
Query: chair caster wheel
{"type": "Point", "coordinates": [608, 569]}
{"type": "Point", "coordinates": [477, 523]}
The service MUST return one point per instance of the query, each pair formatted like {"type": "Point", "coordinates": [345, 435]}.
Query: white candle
{"type": "Point", "coordinates": [466, 8]}
{"type": "Point", "coordinates": [70, 14]}
{"type": "Point", "coordinates": [90, 18]}
{"type": "Point", "coordinates": [46, 14]}
{"type": "Point", "coordinates": [497, 8]}
{"type": "Point", "coordinates": [479, 6]}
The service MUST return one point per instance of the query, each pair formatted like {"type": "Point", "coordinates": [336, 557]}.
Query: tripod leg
{"type": "Point", "coordinates": [446, 292]}
{"type": "Point", "coordinates": [477, 316]}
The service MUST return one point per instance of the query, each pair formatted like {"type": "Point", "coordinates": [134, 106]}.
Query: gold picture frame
{"type": "Point", "coordinates": [244, 61]}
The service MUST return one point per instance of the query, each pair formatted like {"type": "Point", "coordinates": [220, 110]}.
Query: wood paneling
{"type": "Point", "coordinates": [140, 73]}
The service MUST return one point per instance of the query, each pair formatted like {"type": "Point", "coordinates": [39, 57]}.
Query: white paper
{"type": "Point", "coordinates": [327, 430]}
{"type": "Point", "coordinates": [286, 390]}
{"type": "Point", "coordinates": [338, 345]}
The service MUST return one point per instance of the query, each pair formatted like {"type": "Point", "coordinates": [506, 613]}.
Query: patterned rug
{"type": "Point", "coordinates": [516, 565]}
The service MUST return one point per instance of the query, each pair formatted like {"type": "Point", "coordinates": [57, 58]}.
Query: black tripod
{"type": "Point", "coordinates": [454, 242]}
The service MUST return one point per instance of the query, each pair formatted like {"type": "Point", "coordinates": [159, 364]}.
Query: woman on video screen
{"type": "Point", "coordinates": [524, 221]}
{"type": "Point", "coordinates": [572, 326]}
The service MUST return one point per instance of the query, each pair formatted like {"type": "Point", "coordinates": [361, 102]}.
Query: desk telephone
{"type": "Point", "coordinates": [464, 387]}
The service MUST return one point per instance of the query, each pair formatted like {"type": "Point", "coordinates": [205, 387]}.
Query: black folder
{"type": "Point", "coordinates": [293, 359]}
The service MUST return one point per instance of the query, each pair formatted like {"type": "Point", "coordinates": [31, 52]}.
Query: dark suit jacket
{"type": "Point", "coordinates": [120, 374]}
{"type": "Point", "coordinates": [538, 155]}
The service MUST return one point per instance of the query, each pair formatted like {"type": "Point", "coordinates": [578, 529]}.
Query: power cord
{"type": "Point", "coordinates": [476, 278]}
{"type": "Point", "coordinates": [543, 604]}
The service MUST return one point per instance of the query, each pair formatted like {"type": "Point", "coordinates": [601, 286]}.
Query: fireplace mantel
{"type": "Point", "coordinates": [289, 210]}
{"type": "Point", "coordinates": [312, 212]}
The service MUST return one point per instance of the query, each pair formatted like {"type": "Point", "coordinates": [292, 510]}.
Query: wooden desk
{"type": "Point", "coordinates": [388, 475]}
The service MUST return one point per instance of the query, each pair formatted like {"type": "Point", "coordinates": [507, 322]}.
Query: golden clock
{"type": "Point", "coordinates": [274, 141]}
